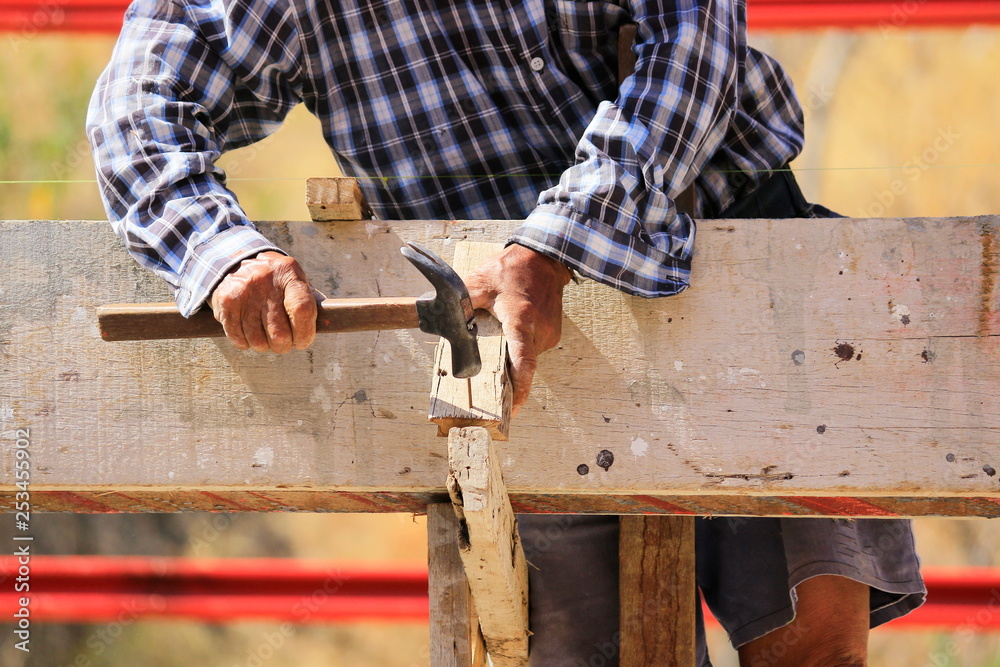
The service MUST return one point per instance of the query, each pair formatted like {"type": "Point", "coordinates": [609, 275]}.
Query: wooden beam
{"type": "Point", "coordinates": [819, 367]}
{"type": "Point", "coordinates": [484, 400]}
{"type": "Point", "coordinates": [456, 640]}
{"type": "Point", "coordinates": [489, 545]}
{"type": "Point", "coordinates": [657, 591]}
{"type": "Point", "coordinates": [337, 198]}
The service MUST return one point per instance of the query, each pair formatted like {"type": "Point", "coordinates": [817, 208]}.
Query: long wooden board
{"type": "Point", "coordinates": [827, 367]}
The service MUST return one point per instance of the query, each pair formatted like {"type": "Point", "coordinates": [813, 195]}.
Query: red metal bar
{"type": "Point", "coordinates": [104, 589]}
{"type": "Point", "coordinates": [29, 17]}
{"type": "Point", "coordinates": [883, 14]}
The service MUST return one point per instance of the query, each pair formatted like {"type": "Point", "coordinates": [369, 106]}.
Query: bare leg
{"type": "Point", "coordinates": [830, 628]}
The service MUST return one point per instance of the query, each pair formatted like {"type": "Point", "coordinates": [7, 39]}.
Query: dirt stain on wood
{"type": "Point", "coordinates": [987, 281]}
{"type": "Point", "coordinates": [845, 351]}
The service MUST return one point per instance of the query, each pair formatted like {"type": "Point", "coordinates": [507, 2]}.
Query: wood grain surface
{"type": "Point", "coordinates": [455, 637]}
{"type": "Point", "coordinates": [489, 544]}
{"type": "Point", "coordinates": [819, 367]}
{"type": "Point", "coordinates": [657, 591]}
{"type": "Point", "coordinates": [484, 400]}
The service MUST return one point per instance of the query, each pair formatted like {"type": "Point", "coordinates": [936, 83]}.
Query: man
{"type": "Point", "coordinates": [474, 107]}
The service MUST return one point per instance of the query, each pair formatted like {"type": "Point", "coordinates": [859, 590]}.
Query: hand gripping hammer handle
{"type": "Point", "coordinates": [446, 312]}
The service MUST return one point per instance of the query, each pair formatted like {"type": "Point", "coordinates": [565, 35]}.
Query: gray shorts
{"type": "Point", "coordinates": [747, 571]}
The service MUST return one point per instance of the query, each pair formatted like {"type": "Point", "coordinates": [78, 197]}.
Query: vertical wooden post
{"type": "Point", "coordinates": [657, 591]}
{"type": "Point", "coordinates": [489, 545]}
{"type": "Point", "coordinates": [456, 640]}
{"type": "Point", "coordinates": [472, 414]}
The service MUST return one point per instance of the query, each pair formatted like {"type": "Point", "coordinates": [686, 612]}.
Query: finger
{"type": "Point", "coordinates": [277, 328]}
{"type": "Point", "coordinates": [252, 322]}
{"type": "Point", "coordinates": [300, 305]}
{"type": "Point", "coordinates": [523, 362]}
{"type": "Point", "coordinates": [226, 311]}
{"type": "Point", "coordinates": [234, 333]}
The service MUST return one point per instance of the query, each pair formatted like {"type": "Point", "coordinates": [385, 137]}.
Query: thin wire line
{"type": "Point", "coordinates": [551, 175]}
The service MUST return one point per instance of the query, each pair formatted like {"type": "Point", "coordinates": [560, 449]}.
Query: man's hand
{"type": "Point", "coordinates": [523, 288]}
{"type": "Point", "coordinates": [267, 304]}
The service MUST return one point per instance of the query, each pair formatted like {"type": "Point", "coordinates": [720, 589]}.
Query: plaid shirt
{"type": "Point", "coordinates": [471, 108]}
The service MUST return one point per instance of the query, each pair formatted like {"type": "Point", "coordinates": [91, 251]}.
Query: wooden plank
{"type": "Point", "coordinates": [456, 640]}
{"type": "Point", "coordinates": [484, 400]}
{"type": "Point", "coordinates": [162, 498]}
{"type": "Point", "coordinates": [657, 591]}
{"type": "Point", "coordinates": [811, 362]}
{"type": "Point", "coordinates": [489, 545]}
{"type": "Point", "coordinates": [338, 198]}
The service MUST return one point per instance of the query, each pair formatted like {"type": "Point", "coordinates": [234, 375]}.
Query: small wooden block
{"type": "Point", "coordinates": [489, 545]}
{"type": "Point", "coordinates": [456, 640]}
{"type": "Point", "coordinates": [336, 199]}
{"type": "Point", "coordinates": [484, 400]}
{"type": "Point", "coordinates": [657, 591]}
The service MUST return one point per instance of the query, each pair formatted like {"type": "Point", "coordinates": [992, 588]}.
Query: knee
{"type": "Point", "coordinates": [807, 657]}
{"type": "Point", "coordinates": [842, 659]}
{"type": "Point", "coordinates": [796, 645]}
{"type": "Point", "coordinates": [836, 652]}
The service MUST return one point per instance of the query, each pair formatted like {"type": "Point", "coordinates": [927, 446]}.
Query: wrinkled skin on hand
{"type": "Point", "coordinates": [523, 289]}
{"type": "Point", "coordinates": [267, 304]}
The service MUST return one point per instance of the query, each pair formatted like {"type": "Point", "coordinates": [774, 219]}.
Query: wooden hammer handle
{"type": "Point", "coordinates": [158, 321]}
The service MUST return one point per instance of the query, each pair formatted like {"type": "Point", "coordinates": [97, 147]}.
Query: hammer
{"type": "Point", "coordinates": [446, 312]}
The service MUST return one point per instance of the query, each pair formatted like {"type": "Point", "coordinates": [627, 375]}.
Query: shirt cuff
{"type": "Point", "coordinates": [606, 254]}
{"type": "Point", "coordinates": [210, 261]}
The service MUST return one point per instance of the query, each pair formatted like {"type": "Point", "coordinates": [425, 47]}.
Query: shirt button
{"type": "Point", "coordinates": [537, 64]}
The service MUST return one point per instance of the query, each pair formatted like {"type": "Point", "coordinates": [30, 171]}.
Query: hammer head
{"type": "Point", "coordinates": [447, 311]}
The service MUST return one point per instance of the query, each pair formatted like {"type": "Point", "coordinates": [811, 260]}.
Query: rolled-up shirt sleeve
{"type": "Point", "coordinates": [183, 86]}
{"type": "Point", "coordinates": [612, 216]}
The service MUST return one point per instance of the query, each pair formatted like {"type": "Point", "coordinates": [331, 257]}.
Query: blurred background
{"type": "Point", "coordinates": [901, 121]}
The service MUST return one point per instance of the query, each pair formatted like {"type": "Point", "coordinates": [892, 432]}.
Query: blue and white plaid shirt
{"type": "Point", "coordinates": [472, 107]}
